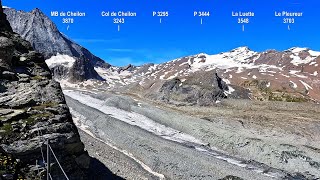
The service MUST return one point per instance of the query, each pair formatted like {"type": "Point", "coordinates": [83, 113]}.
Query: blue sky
{"type": "Point", "coordinates": [143, 39]}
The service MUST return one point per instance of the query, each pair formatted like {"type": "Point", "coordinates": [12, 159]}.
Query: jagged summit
{"type": "Point", "coordinates": [296, 49]}
{"type": "Point", "coordinates": [45, 38]}
{"type": "Point", "coordinates": [241, 49]}
{"type": "Point", "coordinates": [36, 10]}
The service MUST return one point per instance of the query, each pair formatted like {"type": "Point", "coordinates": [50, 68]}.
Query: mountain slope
{"type": "Point", "coordinates": [32, 111]}
{"type": "Point", "coordinates": [45, 38]}
{"type": "Point", "coordinates": [291, 75]}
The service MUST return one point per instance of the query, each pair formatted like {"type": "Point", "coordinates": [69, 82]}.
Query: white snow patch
{"type": "Point", "coordinates": [235, 58]}
{"type": "Point", "coordinates": [254, 77]}
{"type": "Point", "coordinates": [230, 91]}
{"type": "Point", "coordinates": [285, 75]}
{"type": "Point", "coordinates": [64, 60]}
{"type": "Point", "coordinates": [227, 81]}
{"type": "Point", "coordinates": [315, 73]}
{"type": "Point", "coordinates": [307, 86]}
{"type": "Point", "coordinates": [173, 76]}
{"type": "Point", "coordinates": [269, 84]}
{"type": "Point", "coordinates": [296, 60]}
{"type": "Point", "coordinates": [314, 53]}
{"type": "Point", "coordinates": [294, 72]}
{"type": "Point", "coordinates": [164, 75]}
{"type": "Point", "coordinates": [294, 84]}
{"type": "Point", "coordinates": [240, 70]}
{"type": "Point", "coordinates": [297, 49]}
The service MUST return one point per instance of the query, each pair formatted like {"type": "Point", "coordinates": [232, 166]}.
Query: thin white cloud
{"type": "Point", "coordinates": [6, 7]}
{"type": "Point", "coordinates": [95, 40]}
{"type": "Point", "coordinates": [120, 50]}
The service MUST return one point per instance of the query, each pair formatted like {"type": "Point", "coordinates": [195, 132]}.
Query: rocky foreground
{"type": "Point", "coordinates": [32, 111]}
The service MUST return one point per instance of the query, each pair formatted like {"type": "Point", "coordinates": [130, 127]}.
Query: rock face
{"type": "Point", "coordinates": [4, 25]}
{"type": "Point", "coordinates": [81, 70]}
{"type": "Point", "coordinates": [45, 38]}
{"type": "Point", "coordinates": [198, 89]}
{"type": "Point", "coordinates": [32, 111]}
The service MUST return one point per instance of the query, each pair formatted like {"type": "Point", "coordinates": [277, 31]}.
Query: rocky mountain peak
{"type": "Point", "coordinates": [297, 50]}
{"type": "Point", "coordinates": [40, 17]}
{"type": "Point", "coordinates": [242, 51]}
{"type": "Point", "coordinates": [37, 11]}
{"type": "Point", "coordinates": [45, 37]}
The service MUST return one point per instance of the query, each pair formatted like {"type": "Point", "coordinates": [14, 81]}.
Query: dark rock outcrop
{"type": "Point", "coordinates": [200, 90]}
{"type": "Point", "coordinates": [60, 72]}
{"type": "Point", "coordinates": [129, 67]}
{"type": "Point", "coordinates": [81, 70]}
{"type": "Point", "coordinates": [4, 24]}
{"type": "Point", "coordinates": [32, 111]}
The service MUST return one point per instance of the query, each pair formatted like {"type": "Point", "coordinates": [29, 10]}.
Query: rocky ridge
{"type": "Point", "coordinates": [45, 38]}
{"type": "Point", "coordinates": [32, 111]}
{"type": "Point", "coordinates": [291, 76]}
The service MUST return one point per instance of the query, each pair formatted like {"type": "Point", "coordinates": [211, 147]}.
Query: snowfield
{"type": "Point", "coordinates": [64, 60]}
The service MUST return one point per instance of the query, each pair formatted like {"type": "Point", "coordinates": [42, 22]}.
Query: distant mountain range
{"type": "Point", "coordinates": [291, 75]}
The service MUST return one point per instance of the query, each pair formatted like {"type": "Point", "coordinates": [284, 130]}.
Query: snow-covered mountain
{"type": "Point", "coordinates": [291, 75]}
{"type": "Point", "coordinates": [45, 38]}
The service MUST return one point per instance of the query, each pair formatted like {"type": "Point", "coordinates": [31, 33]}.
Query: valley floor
{"type": "Point", "coordinates": [137, 139]}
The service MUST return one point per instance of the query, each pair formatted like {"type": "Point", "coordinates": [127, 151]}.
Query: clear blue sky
{"type": "Point", "coordinates": [143, 39]}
